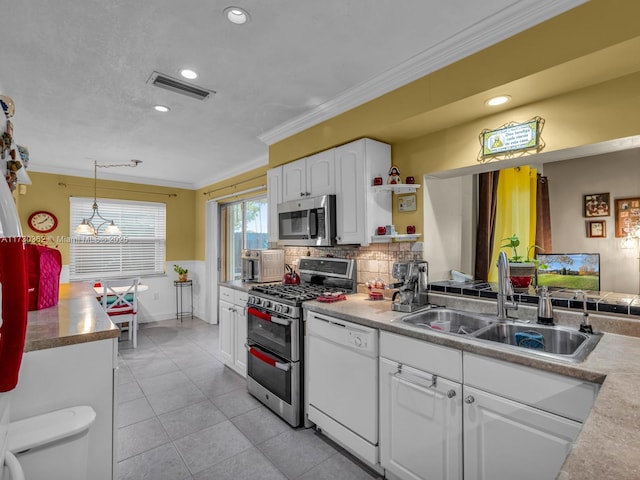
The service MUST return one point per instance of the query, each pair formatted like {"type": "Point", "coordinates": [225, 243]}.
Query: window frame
{"type": "Point", "coordinates": [118, 256]}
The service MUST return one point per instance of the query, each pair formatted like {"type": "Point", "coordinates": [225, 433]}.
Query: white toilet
{"type": "Point", "coordinates": [53, 445]}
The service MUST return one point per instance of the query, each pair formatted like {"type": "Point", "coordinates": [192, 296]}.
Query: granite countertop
{"type": "Point", "coordinates": [608, 445]}
{"type": "Point", "coordinates": [77, 318]}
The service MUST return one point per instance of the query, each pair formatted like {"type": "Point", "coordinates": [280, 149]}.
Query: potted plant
{"type": "Point", "coordinates": [522, 267]}
{"type": "Point", "coordinates": [182, 273]}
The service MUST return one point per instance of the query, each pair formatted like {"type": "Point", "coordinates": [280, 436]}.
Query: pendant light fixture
{"type": "Point", "coordinates": [88, 225]}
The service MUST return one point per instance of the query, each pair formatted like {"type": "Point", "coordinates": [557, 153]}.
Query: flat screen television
{"type": "Point", "coordinates": [579, 271]}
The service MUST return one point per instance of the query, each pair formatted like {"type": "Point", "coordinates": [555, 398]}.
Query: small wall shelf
{"type": "Point", "coordinates": [397, 237]}
{"type": "Point", "coordinates": [397, 187]}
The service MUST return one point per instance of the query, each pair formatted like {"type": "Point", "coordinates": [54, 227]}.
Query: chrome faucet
{"type": "Point", "coordinates": [585, 326]}
{"type": "Point", "coordinates": [505, 288]}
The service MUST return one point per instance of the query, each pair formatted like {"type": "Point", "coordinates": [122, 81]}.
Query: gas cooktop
{"type": "Point", "coordinates": [295, 292]}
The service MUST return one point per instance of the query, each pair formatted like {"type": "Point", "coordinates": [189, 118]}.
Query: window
{"type": "Point", "coordinates": [139, 251]}
{"type": "Point", "coordinates": [244, 226]}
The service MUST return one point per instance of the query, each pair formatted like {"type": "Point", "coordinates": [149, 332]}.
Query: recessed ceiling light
{"type": "Point", "coordinates": [499, 100]}
{"type": "Point", "coordinates": [161, 108]}
{"type": "Point", "coordinates": [188, 73]}
{"type": "Point", "coordinates": [236, 15]}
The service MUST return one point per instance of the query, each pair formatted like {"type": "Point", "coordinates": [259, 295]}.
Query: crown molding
{"type": "Point", "coordinates": [514, 19]}
{"type": "Point", "coordinates": [257, 162]}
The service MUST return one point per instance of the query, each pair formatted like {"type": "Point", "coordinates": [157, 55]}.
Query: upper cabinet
{"type": "Point", "coordinates": [274, 197]}
{"type": "Point", "coordinates": [346, 171]}
{"type": "Point", "coordinates": [309, 177]}
{"type": "Point", "coordinates": [359, 209]}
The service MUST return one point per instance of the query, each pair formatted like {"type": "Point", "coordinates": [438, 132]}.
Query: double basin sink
{"type": "Point", "coordinates": [561, 343]}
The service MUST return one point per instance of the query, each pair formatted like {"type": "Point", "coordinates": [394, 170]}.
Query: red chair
{"type": "Point", "coordinates": [120, 301]}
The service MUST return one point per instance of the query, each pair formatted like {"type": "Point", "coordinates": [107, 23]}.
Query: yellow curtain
{"type": "Point", "coordinates": [515, 213]}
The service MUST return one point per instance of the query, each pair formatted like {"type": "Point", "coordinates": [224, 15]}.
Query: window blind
{"type": "Point", "coordinates": [140, 250]}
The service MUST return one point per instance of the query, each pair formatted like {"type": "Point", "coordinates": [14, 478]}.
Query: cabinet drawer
{"type": "Point", "coordinates": [241, 298]}
{"type": "Point", "coordinates": [569, 397]}
{"type": "Point", "coordinates": [442, 361]}
{"type": "Point", "coordinates": [226, 294]}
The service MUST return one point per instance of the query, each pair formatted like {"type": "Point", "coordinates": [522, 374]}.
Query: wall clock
{"type": "Point", "coordinates": [42, 221]}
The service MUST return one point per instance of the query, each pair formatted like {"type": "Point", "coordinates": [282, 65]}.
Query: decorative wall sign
{"type": "Point", "coordinates": [627, 216]}
{"type": "Point", "coordinates": [407, 203]}
{"type": "Point", "coordinates": [596, 205]}
{"type": "Point", "coordinates": [597, 229]}
{"type": "Point", "coordinates": [511, 139]}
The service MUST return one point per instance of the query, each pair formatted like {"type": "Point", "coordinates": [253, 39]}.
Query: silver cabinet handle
{"type": "Point", "coordinates": [469, 399]}
{"type": "Point", "coordinates": [451, 393]}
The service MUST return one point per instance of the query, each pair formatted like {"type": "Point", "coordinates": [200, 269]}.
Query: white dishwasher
{"type": "Point", "coordinates": [342, 376]}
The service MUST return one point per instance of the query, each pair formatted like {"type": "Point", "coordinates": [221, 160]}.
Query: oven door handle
{"type": "Point", "coordinates": [267, 359]}
{"type": "Point", "coordinates": [268, 317]}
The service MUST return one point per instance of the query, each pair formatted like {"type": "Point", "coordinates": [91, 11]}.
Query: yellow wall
{"type": "Point", "coordinates": [46, 193]}
{"type": "Point", "coordinates": [248, 180]}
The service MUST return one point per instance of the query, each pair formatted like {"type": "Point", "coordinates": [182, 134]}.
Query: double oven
{"type": "Point", "coordinates": [275, 332]}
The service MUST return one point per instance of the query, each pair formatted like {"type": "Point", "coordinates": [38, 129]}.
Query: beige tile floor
{"type": "Point", "coordinates": [183, 415]}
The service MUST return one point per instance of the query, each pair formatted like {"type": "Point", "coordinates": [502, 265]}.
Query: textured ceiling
{"type": "Point", "coordinates": [77, 71]}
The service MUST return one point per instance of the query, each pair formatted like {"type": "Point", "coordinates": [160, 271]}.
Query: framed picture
{"type": "Point", "coordinates": [407, 203]}
{"type": "Point", "coordinates": [627, 215]}
{"type": "Point", "coordinates": [596, 205]}
{"type": "Point", "coordinates": [597, 229]}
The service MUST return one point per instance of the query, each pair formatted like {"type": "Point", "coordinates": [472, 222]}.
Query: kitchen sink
{"type": "Point", "coordinates": [557, 342]}
{"type": "Point", "coordinates": [449, 320]}
{"type": "Point", "coordinates": [552, 341]}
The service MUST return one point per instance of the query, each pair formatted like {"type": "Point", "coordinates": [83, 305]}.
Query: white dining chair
{"type": "Point", "coordinates": [120, 301]}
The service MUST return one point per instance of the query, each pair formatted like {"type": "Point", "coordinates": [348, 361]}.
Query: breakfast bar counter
{"type": "Point", "coordinates": [77, 318]}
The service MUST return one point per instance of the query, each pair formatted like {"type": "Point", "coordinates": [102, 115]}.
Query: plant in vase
{"type": "Point", "coordinates": [182, 273]}
{"type": "Point", "coordinates": [522, 267]}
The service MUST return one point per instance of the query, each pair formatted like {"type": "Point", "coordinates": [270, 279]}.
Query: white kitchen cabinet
{"type": "Point", "coordinates": [507, 439]}
{"type": "Point", "coordinates": [232, 318]}
{"type": "Point", "coordinates": [274, 197]}
{"type": "Point", "coordinates": [420, 410]}
{"type": "Point", "coordinates": [79, 374]}
{"type": "Point", "coordinates": [519, 422]}
{"type": "Point", "coordinates": [420, 423]}
{"type": "Point", "coordinates": [359, 208]}
{"type": "Point", "coordinates": [309, 177]}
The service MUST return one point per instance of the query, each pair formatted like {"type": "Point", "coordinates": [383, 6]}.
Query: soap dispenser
{"type": "Point", "coordinates": [545, 308]}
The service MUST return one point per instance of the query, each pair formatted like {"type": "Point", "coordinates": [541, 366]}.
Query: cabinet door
{"type": "Point", "coordinates": [506, 439]}
{"type": "Point", "coordinates": [240, 360]}
{"type": "Point", "coordinates": [274, 197]}
{"type": "Point", "coordinates": [320, 170]}
{"type": "Point", "coordinates": [420, 424]}
{"type": "Point", "coordinates": [351, 213]}
{"type": "Point", "coordinates": [294, 180]}
{"type": "Point", "coordinates": [226, 331]}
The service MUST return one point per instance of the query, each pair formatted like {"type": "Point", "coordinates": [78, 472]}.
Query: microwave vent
{"type": "Point", "coordinates": [178, 86]}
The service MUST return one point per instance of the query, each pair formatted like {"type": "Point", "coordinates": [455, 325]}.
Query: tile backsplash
{"type": "Point", "coordinates": [374, 262]}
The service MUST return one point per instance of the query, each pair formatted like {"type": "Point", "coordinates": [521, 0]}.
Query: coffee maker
{"type": "Point", "coordinates": [412, 286]}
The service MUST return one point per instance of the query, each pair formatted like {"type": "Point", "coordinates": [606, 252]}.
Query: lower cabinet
{"type": "Point", "coordinates": [420, 409]}
{"type": "Point", "coordinates": [421, 423]}
{"type": "Point", "coordinates": [232, 319]}
{"type": "Point", "coordinates": [507, 439]}
{"type": "Point", "coordinates": [504, 421]}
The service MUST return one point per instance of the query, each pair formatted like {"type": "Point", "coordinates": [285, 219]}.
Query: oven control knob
{"type": "Point", "coordinates": [251, 300]}
{"type": "Point", "coordinates": [257, 300]}
{"type": "Point", "coordinates": [278, 308]}
{"type": "Point", "coordinates": [285, 309]}
{"type": "Point", "coordinates": [266, 304]}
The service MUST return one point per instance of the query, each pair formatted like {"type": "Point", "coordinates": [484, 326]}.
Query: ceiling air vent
{"type": "Point", "coordinates": [164, 81]}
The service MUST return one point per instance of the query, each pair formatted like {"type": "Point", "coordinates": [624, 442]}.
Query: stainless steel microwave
{"type": "Point", "coordinates": [308, 222]}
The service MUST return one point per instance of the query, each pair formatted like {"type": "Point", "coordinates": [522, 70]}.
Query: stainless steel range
{"type": "Point", "coordinates": [275, 332]}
